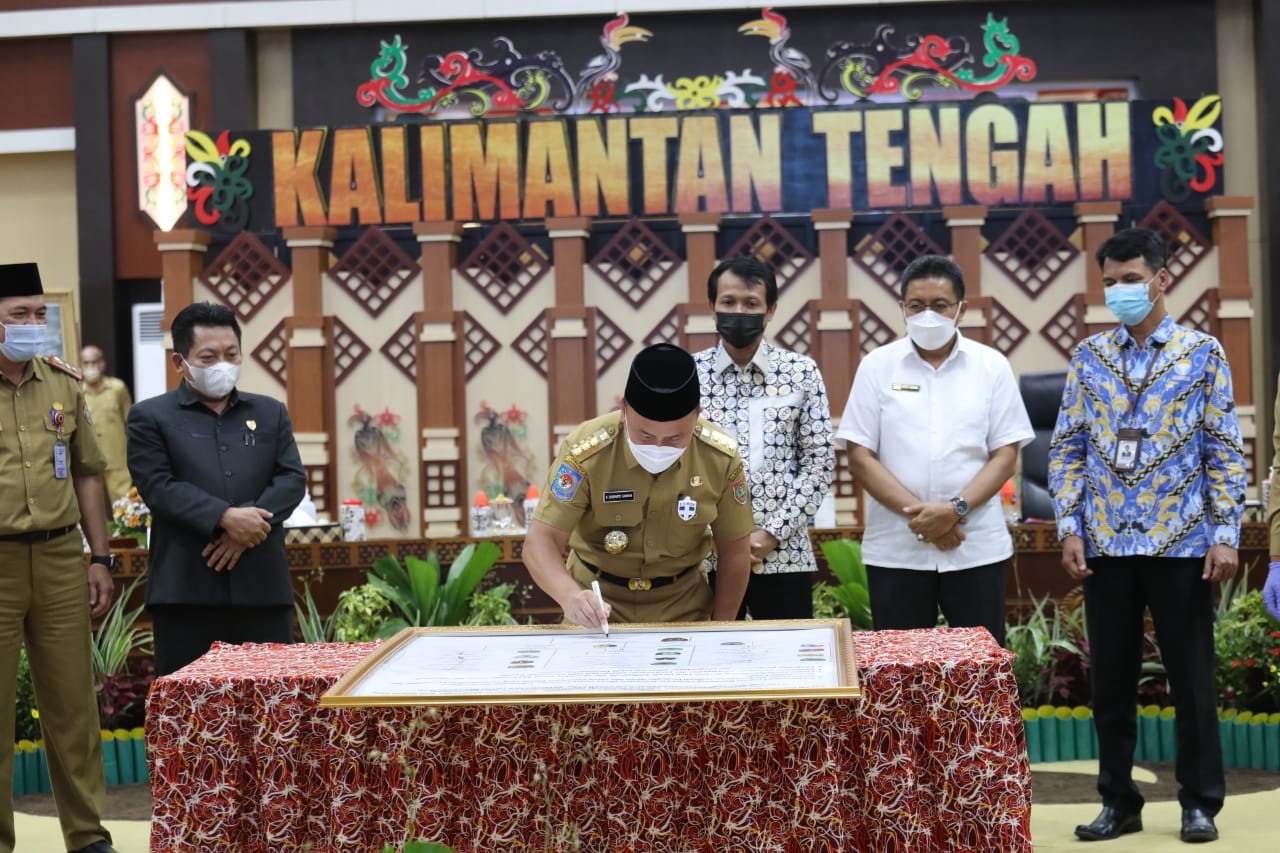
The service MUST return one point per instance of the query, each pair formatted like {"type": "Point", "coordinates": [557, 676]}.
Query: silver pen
{"type": "Point", "coordinates": [604, 623]}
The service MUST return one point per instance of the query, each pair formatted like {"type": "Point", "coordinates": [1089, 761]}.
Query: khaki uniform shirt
{"type": "Point", "coordinates": [597, 487]}
{"type": "Point", "coordinates": [109, 405]}
{"type": "Point", "coordinates": [32, 498]}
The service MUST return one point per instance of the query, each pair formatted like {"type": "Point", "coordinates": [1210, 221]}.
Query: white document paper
{"type": "Point", "coordinates": [562, 663]}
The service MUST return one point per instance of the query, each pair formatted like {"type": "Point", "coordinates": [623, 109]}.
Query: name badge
{"type": "Point", "coordinates": [619, 496]}
{"type": "Point", "coordinates": [1128, 449]}
{"type": "Point", "coordinates": [60, 460]}
{"type": "Point", "coordinates": [899, 387]}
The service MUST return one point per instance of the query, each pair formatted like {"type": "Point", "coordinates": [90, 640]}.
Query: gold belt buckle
{"type": "Point", "coordinates": [639, 584]}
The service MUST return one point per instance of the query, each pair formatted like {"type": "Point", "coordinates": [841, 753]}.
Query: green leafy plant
{"type": "Point", "coordinates": [360, 613]}
{"type": "Point", "coordinates": [1247, 642]}
{"type": "Point", "coordinates": [28, 726]}
{"type": "Point", "coordinates": [492, 606]}
{"type": "Point", "coordinates": [844, 557]}
{"type": "Point", "coordinates": [415, 590]}
{"type": "Point", "coordinates": [1051, 654]}
{"type": "Point", "coordinates": [120, 690]}
{"type": "Point", "coordinates": [118, 635]}
{"type": "Point", "coordinates": [313, 627]}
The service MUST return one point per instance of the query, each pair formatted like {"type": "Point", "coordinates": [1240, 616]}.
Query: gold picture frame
{"type": "Point", "coordinates": [415, 651]}
{"type": "Point", "coordinates": [62, 337]}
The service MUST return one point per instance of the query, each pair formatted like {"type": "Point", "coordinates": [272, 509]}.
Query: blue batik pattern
{"type": "Point", "coordinates": [1187, 490]}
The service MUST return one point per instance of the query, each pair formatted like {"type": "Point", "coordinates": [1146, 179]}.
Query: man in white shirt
{"type": "Point", "coordinates": [934, 423]}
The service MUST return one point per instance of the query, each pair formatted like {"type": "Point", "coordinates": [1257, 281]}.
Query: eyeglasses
{"type": "Point", "coordinates": [939, 307]}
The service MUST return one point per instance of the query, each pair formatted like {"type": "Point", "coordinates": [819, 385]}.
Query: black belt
{"type": "Point", "coordinates": [38, 536]}
{"type": "Point", "coordinates": [636, 584]}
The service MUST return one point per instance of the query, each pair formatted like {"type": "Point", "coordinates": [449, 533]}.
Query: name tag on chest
{"type": "Point", "coordinates": [619, 496]}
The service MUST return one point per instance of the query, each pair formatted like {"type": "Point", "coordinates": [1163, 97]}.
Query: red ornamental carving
{"type": "Point", "coordinates": [934, 48]}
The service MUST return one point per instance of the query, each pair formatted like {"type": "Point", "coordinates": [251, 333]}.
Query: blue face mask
{"type": "Point", "coordinates": [1129, 301]}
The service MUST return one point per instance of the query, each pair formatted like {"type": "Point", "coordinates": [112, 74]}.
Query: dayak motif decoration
{"type": "Point", "coordinates": [508, 466]}
{"type": "Point", "coordinates": [505, 81]}
{"type": "Point", "coordinates": [216, 179]}
{"type": "Point", "coordinates": [1190, 148]}
{"type": "Point", "coordinates": [379, 481]}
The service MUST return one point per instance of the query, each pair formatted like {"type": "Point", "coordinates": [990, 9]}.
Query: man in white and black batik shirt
{"type": "Point", "coordinates": [773, 401]}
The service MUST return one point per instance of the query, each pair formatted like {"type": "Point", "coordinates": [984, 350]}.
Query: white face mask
{"type": "Point", "coordinates": [930, 330]}
{"type": "Point", "coordinates": [22, 343]}
{"type": "Point", "coordinates": [215, 381]}
{"type": "Point", "coordinates": [654, 458]}
{"type": "Point", "coordinates": [92, 374]}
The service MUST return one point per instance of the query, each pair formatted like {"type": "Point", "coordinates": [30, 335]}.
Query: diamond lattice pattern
{"type": "Point", "coordinates": [1032, 252]}
{"type": "Point", "coordinates": [272, 354]}
{"type": "Point", "coordinates": [1061, 328]}
{"type": "Point", "coordinates": [348, 350]}
{"type": "Point", "coordinates": [1185, 245]}
{"type": "Point", "coordinates": [374, 271]}
{"type": "Point", "coordinates": [770, 243]}
{"type": "Point", "coordinates": [245, 275]}
{"type": "Point", "coordinates": [886, 252]}
{"type": "Point", "coordinates": [480, 345]}
{"type": "Point", "coordinates": [611, 342]}
{"type": "Point", "coordinates": [1006, 330]}
{"type": "Point", "coordinates": [504, 267]}
{"type": "Point", "coordinates": [635, 263]}
{"type": "Point", "coordinates": [531, 343]}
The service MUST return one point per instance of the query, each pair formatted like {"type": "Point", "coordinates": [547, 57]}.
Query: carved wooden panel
{"type": "Point", "coordinates": [246, 275]}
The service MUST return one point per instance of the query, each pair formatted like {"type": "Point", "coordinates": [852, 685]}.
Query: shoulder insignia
{"type": "Point", "coordinates": [717, 438]}
{"type": "Point", "coordinates": [564, 482]}
{"type": "Point", "coordinates": [591, 445]}
{"type": "Point", "coordinates": [58, 364]}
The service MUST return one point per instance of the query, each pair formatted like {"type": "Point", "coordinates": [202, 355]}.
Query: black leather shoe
{"type": "Point", "coordinates": [1112, 823]}
{"type": "Point", "coordinates": [96, 847]}
{"type": "Point", "coordinates": [1197, 826]}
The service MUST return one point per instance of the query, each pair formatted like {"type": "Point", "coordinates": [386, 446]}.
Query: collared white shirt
{"type": "Point", "coordinates": [934, 430]}
{"type": "Point", "coordinates": [776, 408]}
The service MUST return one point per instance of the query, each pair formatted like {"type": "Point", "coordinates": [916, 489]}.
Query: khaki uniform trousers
{"type": "Point", "coordinates": [44, 598]}
{"type": "Point", "coordinates": [688, 599]}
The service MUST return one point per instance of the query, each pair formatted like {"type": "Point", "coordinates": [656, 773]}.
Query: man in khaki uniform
{"type": "Point", "coordinates": [49, 483]}
{"type": "Point", "coordinates": [109, 403]}
{"type": "Point", "coordinates": [636, 497]}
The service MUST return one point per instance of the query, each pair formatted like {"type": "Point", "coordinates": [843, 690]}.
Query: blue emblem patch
{"type": "Point", "coordinates": [564, 484]}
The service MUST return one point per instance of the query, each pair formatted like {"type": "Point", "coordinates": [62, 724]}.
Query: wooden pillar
{"type": "Point", "coordinates": [1097, 221]}
{"type": "Point", "coordinates": [442, 389]}
{"type": "Point", "coordinates": [832, 225]}
{"type": "Point", "coordinates": [439, 243]}
{"type": "Point", "coordinates": [571, 369]}
{"type": "Point", "coordinates": [309, 360]}
{"type": "Point", "coordinates": [965, 222]}
{"type": "Point", "coordinates": [181, 260]}
{"type": "Point", "coordinates": [1235, 312]}
{"type": "Point", "coordinates": [571, 332]}
{"type": "Point", "coordinates": [695, 317]}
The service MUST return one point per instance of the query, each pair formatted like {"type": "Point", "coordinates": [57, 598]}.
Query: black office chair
{"type": "Point", "coordinates": [1042, 395]}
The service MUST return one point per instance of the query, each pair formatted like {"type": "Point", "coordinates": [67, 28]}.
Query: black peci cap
{"type": "Point", "coordinates": [663, 383]}
{"type": "Point", "coordinates": [20, 280]}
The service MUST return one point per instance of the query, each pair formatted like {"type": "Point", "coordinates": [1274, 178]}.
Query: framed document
{"type": "Point", "coordinates": [564, 664]}
{"type": "Point", "coordinates": [62, 334]}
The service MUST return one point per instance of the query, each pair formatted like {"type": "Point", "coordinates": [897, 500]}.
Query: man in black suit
{"type": "Point", "coordinates": [220, 472]}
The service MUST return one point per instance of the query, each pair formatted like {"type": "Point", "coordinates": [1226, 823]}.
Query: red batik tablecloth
{"type": "Point", "coordinates": [932, 758]}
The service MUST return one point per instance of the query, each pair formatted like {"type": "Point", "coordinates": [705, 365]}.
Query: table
{"type": "Point", "coordinates": [932, 758]}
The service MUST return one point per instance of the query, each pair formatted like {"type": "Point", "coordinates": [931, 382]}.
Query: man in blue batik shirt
{"type": "Point", "coordinates": [1147, 473]}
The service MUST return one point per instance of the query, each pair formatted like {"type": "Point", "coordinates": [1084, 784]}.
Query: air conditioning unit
{"type": "Point", "coordinates": [148, 351]}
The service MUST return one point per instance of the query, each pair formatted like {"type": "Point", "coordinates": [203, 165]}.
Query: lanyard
{"type": "Point", "coordinates": [1146, 380]}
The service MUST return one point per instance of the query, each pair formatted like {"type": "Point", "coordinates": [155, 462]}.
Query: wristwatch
{"type": "Point", "coordinates": [961, 506]}
{"type": "Point", "coordinates": [108, 560]}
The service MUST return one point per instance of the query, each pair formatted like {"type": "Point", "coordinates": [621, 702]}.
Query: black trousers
{"type": "Point", "coordinates": [902, 599]}
{"type": "Point", "coordinates": [183, 632]}
{"type": "Point", "coordinates": [784, 595]}
{"type": "Point", "coordinates": [1181, 605]}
